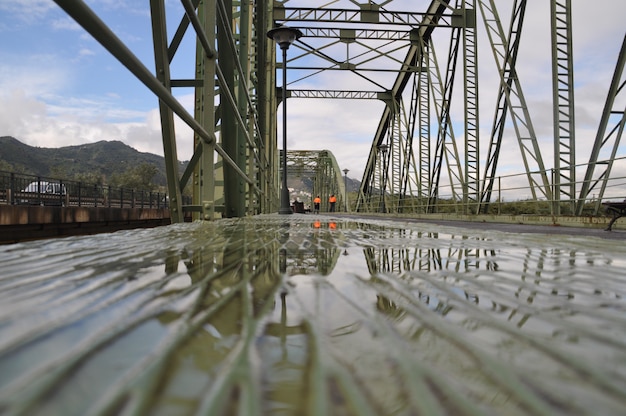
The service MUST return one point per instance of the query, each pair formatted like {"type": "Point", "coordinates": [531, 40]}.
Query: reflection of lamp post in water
{"type": "Point", "coordinates": [345, 185]}
{"type": "Point", "coordinates": [284, 36]}
{"type": "Point", "coordinates": [383, 150]}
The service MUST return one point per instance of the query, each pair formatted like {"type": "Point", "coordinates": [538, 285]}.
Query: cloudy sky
{"type": "Point", "coordinates": [59, 87]}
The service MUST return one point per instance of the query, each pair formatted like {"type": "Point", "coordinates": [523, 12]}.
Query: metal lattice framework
{"type": "Point", "coordinates": [234, 170]}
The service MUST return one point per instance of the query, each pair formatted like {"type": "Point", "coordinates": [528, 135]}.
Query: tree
{"type": "Point", "coordinates": [6, 166]}
{"type": "Point", "coordinates": [89, 178]}
{"type": "Point", "coordinates": [137, 177]}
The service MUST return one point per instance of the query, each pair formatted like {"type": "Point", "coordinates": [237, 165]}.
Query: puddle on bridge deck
{"type": "Point", "coordinates": [300, 314]}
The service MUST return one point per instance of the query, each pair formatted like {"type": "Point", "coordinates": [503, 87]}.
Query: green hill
{"type": "Point", "coordinates": [104, 158]}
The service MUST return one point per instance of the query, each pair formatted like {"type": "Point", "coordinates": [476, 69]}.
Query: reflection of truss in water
{"type": "Point", "coordinates": [414, 266]}
{"type": "Point", "coordinates": [315, 252]}
{"type": "Point", "coordinates": [454, 257]}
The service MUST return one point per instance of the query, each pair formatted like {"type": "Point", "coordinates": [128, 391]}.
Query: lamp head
{"type": "Point", "coordinates": [284, 36]}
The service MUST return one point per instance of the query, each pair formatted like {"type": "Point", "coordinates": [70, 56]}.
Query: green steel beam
{"type": "Point", "coordinates": [230, 134]}
{"type": "Point", "coordinates": [471, 181]}
{"type": "Point", "coordinates": [367, 13]}
{"type": "Point", "coordinates": [421, 100]}
{"type": "Point", "coordinates": [204, 186]}
{"type": "Point", "coordinates": [607, 138]}
{"type": "Point", "coordinates": [267, 103]}
{"type": "Point", "coordinates": [159, 36]}
{"type": "Point", "coordinates": [356, 33]}
{"type": "Point", "coordinates": [340, 94]}
{"type": "Point", "coordinates": [564, 178]}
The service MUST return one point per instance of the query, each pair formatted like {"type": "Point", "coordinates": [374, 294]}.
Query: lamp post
{"type": "Point", "coordinates": [345, 185]}
{"type": "Point", "coordinates": [284, 36]}
{"type": "Point", "coordinates": [383, 149]}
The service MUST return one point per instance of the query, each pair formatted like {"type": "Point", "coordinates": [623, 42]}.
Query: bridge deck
{"type": "Point", "coordinates": [308, 314]}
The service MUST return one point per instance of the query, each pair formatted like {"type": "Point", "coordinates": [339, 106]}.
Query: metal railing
{"type": "Point", "coordinates": [512, 194]}
{"type": "Point", "coordinates": [22, 189]}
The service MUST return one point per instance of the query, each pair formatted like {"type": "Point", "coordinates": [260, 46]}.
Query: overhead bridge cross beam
{"type": "Point", "coordinates": [367, 13]}
{"type": "Point", "coordinates": [340, 94]}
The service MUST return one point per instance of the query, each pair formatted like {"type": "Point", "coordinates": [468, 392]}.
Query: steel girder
{"type": "Point", "coordinates": [564, 179]}
{"type": "Point", "coordinates": [157, 12]}
{"type": "Point", "coordinates": [471, 188]}
{"type": "Point", "coordinates": [421, 100]}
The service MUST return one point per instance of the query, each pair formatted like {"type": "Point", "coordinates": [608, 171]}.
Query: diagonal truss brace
{"type": "Point", "coordinates": [511, 99]}
{"type": "Point", "coordinates": [606, 138]}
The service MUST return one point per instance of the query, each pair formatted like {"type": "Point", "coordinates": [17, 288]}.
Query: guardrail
{"type": "Point", "coordinates": [21, 189]}
{"type": "Point", "coordinates": [512, 194]}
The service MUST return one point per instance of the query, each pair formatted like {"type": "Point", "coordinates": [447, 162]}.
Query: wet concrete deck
{"type": "Point", "coordinates": [308, 314]}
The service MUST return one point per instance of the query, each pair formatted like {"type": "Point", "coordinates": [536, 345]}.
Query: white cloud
{"type": "Point", "coordinates": [28, 11]}
{"type": "Point", "coordinates": [65, 23]}
{"type": "Point", "coordinates": [86, 52]}
{"type": "Point", "coordinates": [39, 124]}
{"type": "Point", "coordinates": [345, 127]}
{"type": "Point", "coordinates": [35, 75]}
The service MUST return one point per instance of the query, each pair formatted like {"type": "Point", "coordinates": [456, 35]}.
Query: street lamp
{"type": "Point", "coordinates": [345, 185]}
{"type": "Point", "coordinates": [383, 149]}
{"type": "Point", "coordinates": [284, 36]}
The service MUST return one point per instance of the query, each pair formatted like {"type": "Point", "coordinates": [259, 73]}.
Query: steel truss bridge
{"type": "Point", "coordinates": [419, 147]}
{"type": "Point", "coordinates": [320, 168]}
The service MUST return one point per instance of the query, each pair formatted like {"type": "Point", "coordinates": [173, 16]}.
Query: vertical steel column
{"type": "Point", "coordinates": [159, 37]}
{"type": "Point", "coordinates": [345, 189]}
{"type": "Point", "coordinates": [204, 112]}
{"type": "Point", "coordinates": [247, 59]}
{"type": "Point", "coordinates": [471, 189]}
{"type": "Point", "coordinates": [267, 106]}
{"type": "Point", "coordinates": [232, 139]}
{"type": "Point", "coordinates": [563, 104]}
{"type": "Point", "coordinates": [393, 165]}
{"type": "Point", "coordinates": [423, 97]}
{"type": "Point", "coordinates": [383, 148]}
{"type": "Point", "coordinates": [409, 185]}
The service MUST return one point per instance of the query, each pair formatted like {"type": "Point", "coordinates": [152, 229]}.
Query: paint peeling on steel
{"type": "Point", "coordinates": [313, 315]}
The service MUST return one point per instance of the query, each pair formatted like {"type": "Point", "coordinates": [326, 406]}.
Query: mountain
{"type": "Point", "coordinates": [103, 157]}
